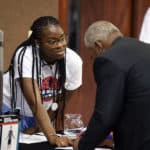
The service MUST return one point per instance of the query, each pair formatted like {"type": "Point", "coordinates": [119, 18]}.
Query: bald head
{"type": "Point", "coordinates": [99, 31]}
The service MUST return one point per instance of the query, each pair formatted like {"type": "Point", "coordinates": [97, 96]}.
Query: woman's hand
{"type": "Point", "coordinates": [63, 141]}
{"type": "Point", "coordinates": [75, 143]}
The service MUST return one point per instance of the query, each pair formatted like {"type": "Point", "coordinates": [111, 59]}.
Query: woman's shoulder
{"type": "Point", "coordinates": [24, 51]}
{"type": "Point", "coordinates": [72, 55]}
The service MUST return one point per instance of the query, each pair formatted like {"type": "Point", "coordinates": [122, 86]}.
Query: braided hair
{"type": "Point", "coordinates": [36, 29]}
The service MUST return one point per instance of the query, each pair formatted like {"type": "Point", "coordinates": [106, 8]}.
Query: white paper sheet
{"type": "Point", "coordinates": [102, 149]}
{"type": "Point", "coordinates": [69, 148]}
{"type": "Point", "coordinates": [39, 137]}
{"type": "Point", "coordinates": [35, 138]}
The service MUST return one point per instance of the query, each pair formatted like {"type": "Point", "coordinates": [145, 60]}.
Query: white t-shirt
{"type": "Point", "coordinates": [73, 79]}
{"type": "Point", "coordinates": [145, 30]}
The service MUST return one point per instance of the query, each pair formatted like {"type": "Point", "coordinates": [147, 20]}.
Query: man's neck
{"type": "Point", "coordinates": [113, 37]}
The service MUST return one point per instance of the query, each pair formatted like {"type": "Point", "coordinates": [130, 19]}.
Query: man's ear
{"type": "Point", "coordinates": [98, 44]}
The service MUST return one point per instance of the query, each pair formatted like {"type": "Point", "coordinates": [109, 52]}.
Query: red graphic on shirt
{"type": "Point", "coordinates": [48, 87]}
{"type": "Point", "coordinates": [50, 82]}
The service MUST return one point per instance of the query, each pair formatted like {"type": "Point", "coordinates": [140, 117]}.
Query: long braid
{"type": "Point", "coordinates": [11, 70]}
{"type": "Point", "coordinates": [62, 68]}
{"type": "Point", "coordinates": [20, 64]}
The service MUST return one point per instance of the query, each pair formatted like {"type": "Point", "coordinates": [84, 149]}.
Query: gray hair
{"type": "Point", "coordinates": [99, 30]}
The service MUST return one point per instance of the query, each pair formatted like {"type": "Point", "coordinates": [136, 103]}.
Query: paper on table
{"type": "Point", "coordinates": [69, 148]}
{"type": "Point", "coordinates": [102, 149]}
{"type": "Point", "coordinates": [35, 138]}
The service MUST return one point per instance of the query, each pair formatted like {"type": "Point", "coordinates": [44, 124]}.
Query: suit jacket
{"type": "Point", "coordinates": [122, 105]}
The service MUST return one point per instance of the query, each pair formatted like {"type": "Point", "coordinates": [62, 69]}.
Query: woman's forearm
{"type": "Point", "coordinates": [45, 124]}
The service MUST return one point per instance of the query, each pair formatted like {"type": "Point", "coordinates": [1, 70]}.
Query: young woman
{"type": "Point", "coordinates": [42, 69]}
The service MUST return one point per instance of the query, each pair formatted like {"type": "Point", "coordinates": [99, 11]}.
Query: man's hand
{"type": "Point", "coordinates": [75, 144]}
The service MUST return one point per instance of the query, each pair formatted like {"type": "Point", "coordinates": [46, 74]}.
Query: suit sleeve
{"type": "Point", "coordinates": [110, 82]}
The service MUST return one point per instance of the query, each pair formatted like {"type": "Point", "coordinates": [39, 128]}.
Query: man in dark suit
{"type": "Point", "coordinates": [122, 75]}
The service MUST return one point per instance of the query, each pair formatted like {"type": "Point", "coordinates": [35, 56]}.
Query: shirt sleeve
{"type": "Point", "coordinates": [23, 63]}
{"type": "Point", "coordinates": [109, 101]}
{"type": "Point", "coordinates": [145, 30]}
{"type": "Point", "coordinates": [73, 70]}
